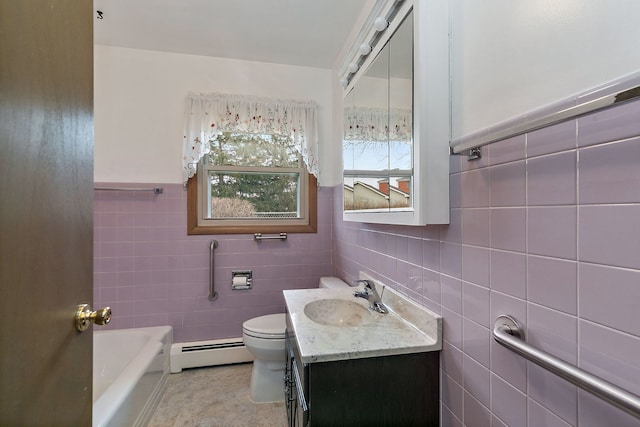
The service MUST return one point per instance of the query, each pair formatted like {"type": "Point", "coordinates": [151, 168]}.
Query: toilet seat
{"type": "Point", "coordinates": [271, 326]}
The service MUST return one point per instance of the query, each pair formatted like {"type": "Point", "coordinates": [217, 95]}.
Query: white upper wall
{"type": "Point", "coordinates": [510, 57]}
{"type": "Point", "coordinates": [507, 57]}
{"type": "Point", "coordinates": [140, 98]}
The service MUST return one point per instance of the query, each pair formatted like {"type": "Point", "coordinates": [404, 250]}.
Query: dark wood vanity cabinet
{"type": "Point", "coordinates": [398, 390]}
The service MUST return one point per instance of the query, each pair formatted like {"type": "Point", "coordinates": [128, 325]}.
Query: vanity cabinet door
{"type": "Point", "coordinates": [290, 398]}
{"type": "Point", "coordinates": [294, 386]}
{"type": "Point", "coordinates": [400, 390]}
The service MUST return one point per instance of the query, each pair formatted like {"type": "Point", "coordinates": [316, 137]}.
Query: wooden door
{"type": "Point", "coordinates": [46, 213]}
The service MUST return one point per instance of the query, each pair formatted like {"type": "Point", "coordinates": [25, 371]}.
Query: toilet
{"type": "Point", "coordinates": [264, 338]}
{"type": "Point", "coordinates": [332, 282]}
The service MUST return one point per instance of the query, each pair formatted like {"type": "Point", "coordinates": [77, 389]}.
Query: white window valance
{"type": "Point", "coordinates": [377, 125]}
{"type": "Point", "coordinates": [206, 115]}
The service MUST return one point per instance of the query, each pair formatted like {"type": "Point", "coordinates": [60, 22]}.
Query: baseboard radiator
{"type": "Point", "coordinates": [208, 353]}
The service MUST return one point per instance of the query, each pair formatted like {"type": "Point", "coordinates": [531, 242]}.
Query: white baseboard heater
{"type": "Point", "coordinates": [208, 353]}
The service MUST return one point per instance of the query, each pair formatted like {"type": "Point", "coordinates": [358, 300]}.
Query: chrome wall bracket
{"type": "Point", "coordinates": [472, 154]}
{"type": "Point", "coordinates": [511, 325]}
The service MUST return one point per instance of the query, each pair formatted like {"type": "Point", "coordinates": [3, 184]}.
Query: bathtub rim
{"type": "Point", "coordinates": [112, 399]}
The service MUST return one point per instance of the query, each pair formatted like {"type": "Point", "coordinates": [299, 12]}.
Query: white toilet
{"type": "Point", "coordinates": [332, 282]}
{"type": "Point", "coordinates": [264, 338]}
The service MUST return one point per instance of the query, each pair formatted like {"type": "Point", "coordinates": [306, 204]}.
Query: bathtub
{"type": "Point", "coordinates": [130, 370]}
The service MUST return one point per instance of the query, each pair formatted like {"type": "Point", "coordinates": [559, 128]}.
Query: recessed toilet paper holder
{"type": "Point", "coordinates": [241, 279]}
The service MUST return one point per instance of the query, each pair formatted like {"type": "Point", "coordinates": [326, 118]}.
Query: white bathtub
{"type": "Point", "coordinates": [130, 370]}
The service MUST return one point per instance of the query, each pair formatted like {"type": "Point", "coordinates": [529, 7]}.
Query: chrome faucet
{"type": "Point", "coordinates": [370, 294]}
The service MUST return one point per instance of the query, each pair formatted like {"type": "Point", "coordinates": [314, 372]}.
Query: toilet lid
{"type": "Point", "coordinates": [269, 326]}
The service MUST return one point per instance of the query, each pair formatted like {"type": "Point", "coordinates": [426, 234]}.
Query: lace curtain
{"type": "Point", "coordinates": [206, 115]}
{"type": "Point", "coordinates": [374, 125]}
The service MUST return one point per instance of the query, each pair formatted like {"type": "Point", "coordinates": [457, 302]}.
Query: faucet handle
{"type": "Point", "coordinates": [364, 293]}
{"type": "Point", "coordinates": [368, 284]}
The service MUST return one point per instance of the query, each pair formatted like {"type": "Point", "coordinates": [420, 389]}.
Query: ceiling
{"type": "Point", "coordinates": [294, 32]}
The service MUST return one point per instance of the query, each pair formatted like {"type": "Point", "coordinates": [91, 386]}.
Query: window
{"type": "Point", "coordinates": [251, 183]}
{"type": "Point", "coordinates": [250, 164]}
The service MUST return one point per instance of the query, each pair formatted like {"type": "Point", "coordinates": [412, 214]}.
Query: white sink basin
{"type": "Point", "coordinates": [331, 324]}
{"type": "Point", "coordinates": [337, 312]}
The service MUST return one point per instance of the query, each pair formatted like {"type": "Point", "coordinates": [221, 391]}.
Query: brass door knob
{"type": "Point", "coordinates": [85, 316]}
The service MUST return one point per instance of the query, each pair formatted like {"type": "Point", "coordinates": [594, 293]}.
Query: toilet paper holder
{"type": "Point", "coordinates": [241, 279]}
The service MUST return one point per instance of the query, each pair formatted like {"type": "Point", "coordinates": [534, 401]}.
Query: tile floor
{"type": "Point", "coordinates": [215, 397]}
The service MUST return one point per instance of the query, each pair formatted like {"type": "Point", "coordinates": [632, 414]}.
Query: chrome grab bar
{"type": "Point", "coordinates": [213, 295]}
{"type": "Point", "coordinates": [508, 333]}
{"type": "Point", "coordinates": [259, 237]}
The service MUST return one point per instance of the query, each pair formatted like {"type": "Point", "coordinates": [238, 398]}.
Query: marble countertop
{"type": "Point", "coordinates": [407, 328]}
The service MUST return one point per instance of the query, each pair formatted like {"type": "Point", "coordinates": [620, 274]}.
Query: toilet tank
{"type": "Point", "coordinates": [332, 282]}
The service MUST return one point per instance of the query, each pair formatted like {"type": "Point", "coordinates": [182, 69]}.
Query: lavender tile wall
{"type": "Point", "coordinates": [151, 273]}
{"type": "Point", "coordinates": [546, 231]}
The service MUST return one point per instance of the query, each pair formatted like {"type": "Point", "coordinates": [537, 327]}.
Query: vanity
{"type": "Point", "coordinates": [349, 365]}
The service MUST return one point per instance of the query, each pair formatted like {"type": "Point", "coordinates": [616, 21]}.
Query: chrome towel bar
{"type": "Point", "coordinates": [156, 190]}
{"type": "Point", "coordinates": [259, 237]}
{"type": "Point", "coordinates": [213, 295]}
{"type": "Point", "coordinates": [508, 333]}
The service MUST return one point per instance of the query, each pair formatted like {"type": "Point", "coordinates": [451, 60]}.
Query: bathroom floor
{"type": "Point", "coordinates": [216, 396]}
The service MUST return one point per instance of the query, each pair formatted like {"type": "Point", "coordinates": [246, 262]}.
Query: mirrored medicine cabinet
{"type": "Point", "coordinates": [396, 123]}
